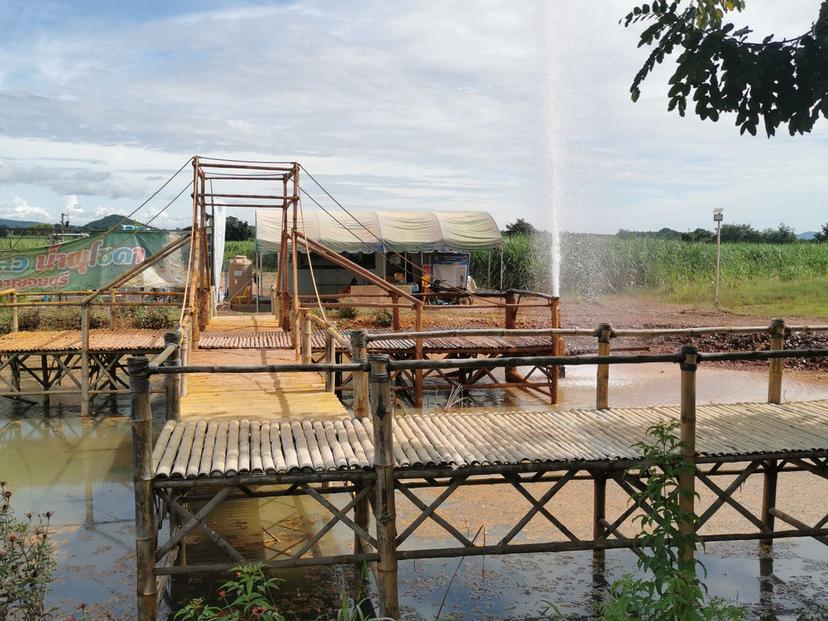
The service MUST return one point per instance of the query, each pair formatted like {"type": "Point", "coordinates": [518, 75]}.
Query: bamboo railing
{"type": "Point", "coordinates": [379, 368]}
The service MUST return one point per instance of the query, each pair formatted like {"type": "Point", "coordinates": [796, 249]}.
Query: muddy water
{"type": "Point", "coordinates": [81, 470]}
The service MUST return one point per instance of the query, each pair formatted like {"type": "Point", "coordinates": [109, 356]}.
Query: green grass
{"type": "Point", "coordinates": [806, 297]}
{"type": "Point", "coordinates": [757, 279]}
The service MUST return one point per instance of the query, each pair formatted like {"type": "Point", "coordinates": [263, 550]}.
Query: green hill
{"type": "Point", "coordinates": [109, 221]}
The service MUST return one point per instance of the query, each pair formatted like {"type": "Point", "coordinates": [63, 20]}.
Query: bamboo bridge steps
{"type": "Point", "coordinates": [254, 395]}
{"type": "Point", "coordinates": [239, 446]}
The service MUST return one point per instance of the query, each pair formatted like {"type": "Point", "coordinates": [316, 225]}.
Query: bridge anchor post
{"type": "Point", "coordinates": [687, 477]}
{"type": "Point", "coordinates": [385, 512]}
{"type": "Point", "coordinates": [146, 529]}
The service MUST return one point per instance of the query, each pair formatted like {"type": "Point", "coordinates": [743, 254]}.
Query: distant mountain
{"type": "Point", "coordinates": [807, 235]}
{"type": "Point", "coordinates": [108, 222]}
{"type": "Point", "coordinates": [19, 224]}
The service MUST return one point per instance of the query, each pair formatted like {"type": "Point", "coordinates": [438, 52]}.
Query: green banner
{"type": "Point", "coordinates": [92, 262]}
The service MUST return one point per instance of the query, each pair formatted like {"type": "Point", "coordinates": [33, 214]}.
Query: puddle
{"type": "Point", "coordinates": [81, 469]}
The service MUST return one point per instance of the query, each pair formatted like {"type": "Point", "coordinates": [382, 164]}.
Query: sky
{"type": "Point", "coordinates": [517, 108]}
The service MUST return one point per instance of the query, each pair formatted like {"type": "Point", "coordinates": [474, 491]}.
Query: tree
{"type": "Point", "coordinates": [822, 236]}
{"type": "Point", "coordinates": [520, 227]}
{"type": "Point", "coordinates": [699, 235]}
{"type": "Point", "coordinates": [783, 234]}
{"type": "Point", "coordinates": [773, 81]}
{"type": "Point", "coordinates": [740, 233]}
{"type": "Point", "coordinates": [237, 230]}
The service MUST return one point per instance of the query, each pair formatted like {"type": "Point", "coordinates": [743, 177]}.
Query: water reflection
{"type": "Point", "coordinates": [82, 470]}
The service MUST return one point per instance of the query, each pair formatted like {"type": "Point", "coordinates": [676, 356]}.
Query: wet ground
{"type": "Point", "coordinates": [81, 470]}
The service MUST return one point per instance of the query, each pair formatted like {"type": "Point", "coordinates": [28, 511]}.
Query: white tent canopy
{"type": "Point", "coordinates": [379, 231]}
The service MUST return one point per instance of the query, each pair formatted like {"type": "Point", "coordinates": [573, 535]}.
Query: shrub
{"type": "Point", "coordinates": [149, 318]}
{"type": "Point", "coordinates": [382, 318]}
{"type": "Point", "coordinates": [26, 563]}
{"type": "Point", "coordinates": [347, 312]}
{"type": "Point", "coordinates": [249, 596]}
{"type": "Point", "coordinates": [28, 319]}
{"type": "Point", "coordinates": [671, 588]}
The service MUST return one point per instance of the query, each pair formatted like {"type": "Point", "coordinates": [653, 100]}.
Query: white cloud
{"type": "Point", "coordinates": [71, 206]}
{"type": "Point", "coordinates": [398, 105]}
{"type": "Point", "coordinates": [17, 207]}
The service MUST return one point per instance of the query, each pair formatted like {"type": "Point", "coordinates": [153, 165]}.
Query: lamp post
{"type": "Point", "coordinates": [718, 216]}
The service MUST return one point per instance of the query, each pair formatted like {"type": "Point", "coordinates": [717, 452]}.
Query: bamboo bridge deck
{"type": "Point", "coordinates": [248, 340]}
{"type": "Point", "coordinates": [469, 442]}
{"type": "Point", "coordinates": [69, 341]}
{"type": "Point", "coordinates": [243, 336]}
{"type": "Point", "coordinates": [255, 395]}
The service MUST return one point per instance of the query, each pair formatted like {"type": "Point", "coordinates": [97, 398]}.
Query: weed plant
{"type": "Point", "coordinates": [669, 588]}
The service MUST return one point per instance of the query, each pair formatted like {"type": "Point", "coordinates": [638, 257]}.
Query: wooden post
{"type": "Point", "coordinates": [395, 313]}
{"type": "Point", "coordinates": [359, 353]}
{"type": "Point", "coordinates": [604, 333]}
{"type": "Point", "coordinates": [777, 332]}
{"type": "Point", "coordinates": [385, 514]}
{"type": "Point", "coordinates": [296, 333]}
{"type": "Point", "coordinates": [555, 320]}
{"type": "Point", "coordinates": [418, 355]}
{"type": "Point", "coordinates": [687, 478]}
{"type": "Point", "coordinates": [362, 517]}
{"type": "Point", "coordinates": [15, 324]}
{"type": "Point", "coordinates": [145, 520]}
{"type": "Point", "coordinates": [84, 310]}
{"type": "Point", "coordinates": [184, 357]}
{"type": "Point", "coordinates": [112, 308]}
{"type": "Point", "coordinates": [510, 323]}
{"type": "Point", "coordinates": [330, 358]}
{"type": "Point", "coordinates": [294, 243]}
{"type": "Point", "coordinates": [599, 513]}
{"type": "Point", "coordinates": [769, 497]}
{"type": "Point", "coordinates": [307, 338]}
{"type": "Point", "coordinates": [172, 382]}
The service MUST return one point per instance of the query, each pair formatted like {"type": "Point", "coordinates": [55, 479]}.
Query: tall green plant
{"type": "Point", "coordinates": [670, 589]}
{"type": "Point", "coordinates": [26, 563]}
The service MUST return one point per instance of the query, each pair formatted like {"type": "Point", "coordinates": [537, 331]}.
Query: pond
{"type": "Point", "coordinates": [81, 469]}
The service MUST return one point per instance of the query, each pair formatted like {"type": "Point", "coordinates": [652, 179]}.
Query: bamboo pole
{"type": "Point", "coordinates": [557, 346]}
{"type": "Point", "coordinates": [382, 410]}
{"type": "Point", "coordinates": [112, 308]}
{"type": "Point", "coordinates": [687, 477]}
{"type": "Point", "coordinates": [599, 514]}
{"type": "Point", "coordinates": [359, 353]}
{"type": "Point", "coordinates": [362, 517]}
{"type": "Point", "coordinates": [769, 481]}
{"type": "Point", "coordinates": [395, 313]}
{"type": "Point", "coordinates": [418, 355]}
{"type": "Point", "coordinates": [84, 360]}
{"type": "Point", "coordinates": [294, 243]}
{"type": "Point", "coordinates": [15, 325]}
{"type": "Point", "coordinates": [604, 333]}
{"type": "Point", "coordinates": [307, 338]}
{"type": "Point", "coordinates": [146, 529]}
{"type": "Point", "coordinates": [510, 322]}
{"type": "Point", "coordinates": [184, 355]}
{"type": "Point", "coordinates": [330, 358]}
{"type": "Point", "coordinates": [777, 331]}
{"type": "Point", "coordinates": [172, 382]}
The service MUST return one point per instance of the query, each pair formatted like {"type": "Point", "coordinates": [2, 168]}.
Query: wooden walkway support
{"type": "Point", "coordinates": [388, 454]}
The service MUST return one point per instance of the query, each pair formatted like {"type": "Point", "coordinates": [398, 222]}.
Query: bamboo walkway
{"type": "Point", "coordinates": [228, 448]}
{"type": "Point", "coordinates": [255, 396]}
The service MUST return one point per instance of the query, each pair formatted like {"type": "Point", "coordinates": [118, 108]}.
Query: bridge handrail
{"type": "Point", "coordinates": [576, 331]}
{"type": "Point", "coordinates": [493, 363]}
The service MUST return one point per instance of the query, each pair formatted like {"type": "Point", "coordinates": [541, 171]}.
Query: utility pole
{"type": "Point", "coordinates": [64, 224]}
{"type": "Point", "coordinates": [718, 216]}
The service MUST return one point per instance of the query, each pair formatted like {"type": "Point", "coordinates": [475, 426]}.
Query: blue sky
{"type": "Point", "coordinates": [503, 106]}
